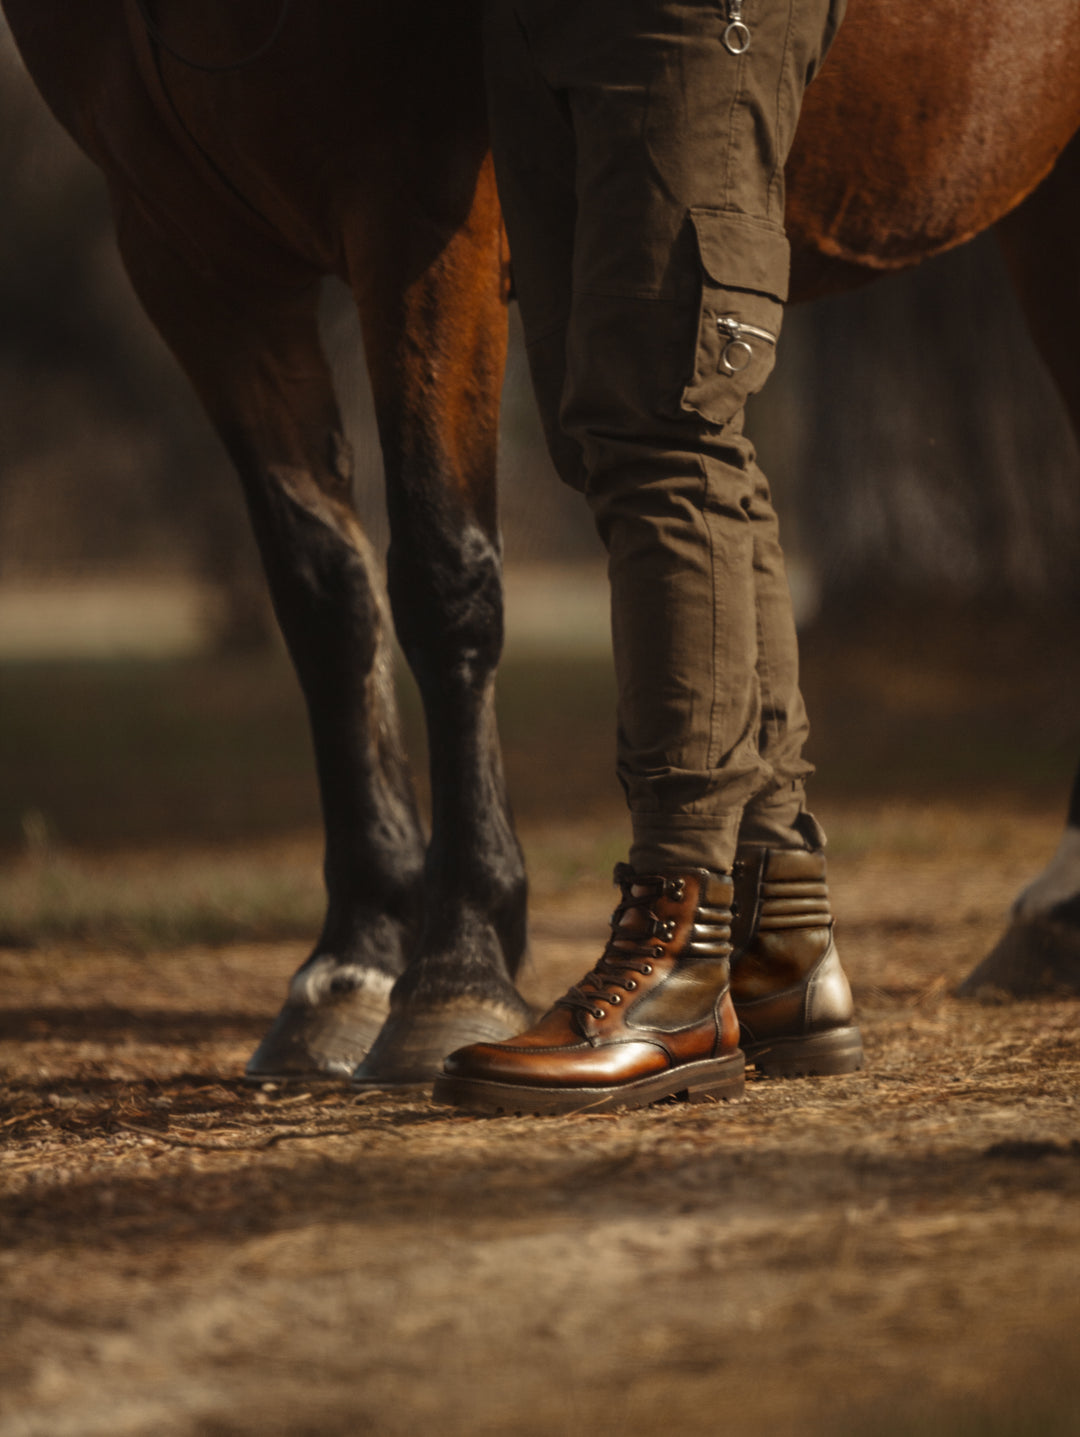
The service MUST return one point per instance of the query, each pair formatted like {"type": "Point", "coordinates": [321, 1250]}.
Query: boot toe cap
{"type": "Point", "coordinates": [477, 1060]}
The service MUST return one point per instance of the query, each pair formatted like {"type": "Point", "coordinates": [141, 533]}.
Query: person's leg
{"type": "Point", "coordinates": [655, 158]}
{"type": "Point", "coordinates": [535, 151]}
{"type": "Point", "coordinates": [790, 992]}
{"type": "Point", "coordinates": [645, 149]}
{"type": "Point", "coordinates": [778, 814]}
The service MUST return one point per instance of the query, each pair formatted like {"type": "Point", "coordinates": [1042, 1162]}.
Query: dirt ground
{"type": "Point", "coordinates": [892, 1252]}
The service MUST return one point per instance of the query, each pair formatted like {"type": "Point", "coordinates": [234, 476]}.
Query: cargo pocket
{"type": "Point", "coordinates": [744, 279]}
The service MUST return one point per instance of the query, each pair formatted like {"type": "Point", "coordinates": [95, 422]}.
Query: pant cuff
{"type": "Point", "coordinates": [780, 828]}
{"type": "Point", "coordinates": [672, 843]}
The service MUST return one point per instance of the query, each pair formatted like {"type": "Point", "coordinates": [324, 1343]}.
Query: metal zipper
{"type": "Point", "coordinates": [736, 36]}
{"type": "Point", "coordinates": [737, 352]}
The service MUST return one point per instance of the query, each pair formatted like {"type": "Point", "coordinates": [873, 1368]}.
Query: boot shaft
{"type": "Point", "coordinates": [787, 982]}
{"type": "Point", "coordinates": [782, 923]}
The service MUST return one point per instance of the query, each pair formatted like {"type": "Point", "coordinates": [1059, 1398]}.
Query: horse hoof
{"type": "Point", "coordinates": [412, 1046]}
{"type": "Point", "coordinates": [321, 1035]}
{"type": "Point", "coordinates": [1034, 958]}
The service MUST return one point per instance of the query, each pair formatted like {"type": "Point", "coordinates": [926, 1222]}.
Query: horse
{"type": "Point", "coordinates": [250, 150]}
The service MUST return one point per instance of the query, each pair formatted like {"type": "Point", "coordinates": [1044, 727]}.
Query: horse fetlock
{"type": "Point", "coordinates": [369, 935]}
{"type": "Point", "coordinates": [486, 908]}
{"type": "Point", "coordinates": [460, 951]}
{"type": "Point", "coordinates": [325, 977]}
{"type": "Point", "coordinates": [427, 985]}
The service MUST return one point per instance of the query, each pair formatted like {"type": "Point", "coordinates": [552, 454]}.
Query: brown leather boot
{"type": "Point", "coordinates": [791, 995]}
{"type": "Point", "coordinates": [652, 1020]}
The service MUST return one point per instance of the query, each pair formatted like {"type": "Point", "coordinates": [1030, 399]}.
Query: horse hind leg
{"type": "Point", "coordinates": [253, 353]}
{"type": "Point", "coordinates": [436, 348]}
{"type": "Point", "coordinates": [1039, 953]}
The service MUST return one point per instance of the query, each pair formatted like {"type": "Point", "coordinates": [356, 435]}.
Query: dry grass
{"type": "Point", "coordinates": [889, 1253]}
{"type": "Point", "coordinates": [895, 1252]}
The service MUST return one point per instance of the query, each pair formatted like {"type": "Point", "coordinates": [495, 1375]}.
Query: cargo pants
{"type": "Point", "coordinates": [639, 150]}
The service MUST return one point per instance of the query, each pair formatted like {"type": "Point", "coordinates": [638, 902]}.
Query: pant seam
{"type": "Point", "coordinates": [776, 179]}
{"type": "Point", "coordinates": [766, 680]}
{"type": "Point", "coordinates": [736, 94]}
{"type": "Point", "coordinates": [712, 745]}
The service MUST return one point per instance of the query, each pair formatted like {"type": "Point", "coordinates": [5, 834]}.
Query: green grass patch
{"type": "Point", "coordinates": [119, 752]}
{"type": "Point", "coordinates": [174, 901]}
{"type": "Point", "coordinates": [196, 750]}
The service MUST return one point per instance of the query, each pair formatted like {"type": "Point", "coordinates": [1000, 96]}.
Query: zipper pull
{"type": "Point", "coordinates": [736, 36]}
{"type": "Point", "coordinates": [737, 351]}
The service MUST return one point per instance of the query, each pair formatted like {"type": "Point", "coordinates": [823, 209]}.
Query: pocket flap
{"type": "Point", "coordinates": [740, 253]}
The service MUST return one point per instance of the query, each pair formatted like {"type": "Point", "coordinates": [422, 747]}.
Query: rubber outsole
{"type": "Point", "coordinates": [814, 1055]}
{"type": "Point", "coordinates": [711, 1080]}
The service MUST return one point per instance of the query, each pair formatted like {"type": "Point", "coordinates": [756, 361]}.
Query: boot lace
{"type": "Point", "coordinates": [626, 954]}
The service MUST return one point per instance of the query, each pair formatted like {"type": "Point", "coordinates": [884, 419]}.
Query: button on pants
{"type": "Point", "coordinates": [641, 170]}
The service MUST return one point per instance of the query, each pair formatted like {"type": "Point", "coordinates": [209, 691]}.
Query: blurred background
{"type": "Point", "coordinates": [925, 476]}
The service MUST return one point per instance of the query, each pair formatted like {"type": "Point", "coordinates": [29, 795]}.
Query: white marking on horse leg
{"type": "Point", "coordinates": [1057, 883]}
{"type": "Point", "coordinates": [324, 975]}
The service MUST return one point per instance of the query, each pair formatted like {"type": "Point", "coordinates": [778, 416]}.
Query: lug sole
{"type": "Point", "coordinates": [711, 1080]}
{"type": "Point", "coordinates": [813, 1055]}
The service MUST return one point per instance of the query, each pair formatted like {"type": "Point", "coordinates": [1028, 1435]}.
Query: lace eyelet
{"type": "Point", "coordinates": [615, 999]}
{"type": "Point", "coordinates": [599, 1013]}
{"type": "Point", "coordinates": [631, 984]}
{"type": "Point", "coordinates": [658, 953]}
{"type": "Point", "coordinates": [647, 967]}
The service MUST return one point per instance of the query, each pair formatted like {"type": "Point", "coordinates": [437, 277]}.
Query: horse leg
{"type": "Point", "coordinates": [436, 347]}
{"type": "Point", "coordinates": [1040, 950]}
{"type": "Point", "coordinates": [251, 349]}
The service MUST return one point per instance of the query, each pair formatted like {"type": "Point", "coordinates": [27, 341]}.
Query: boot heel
{"type": "Point", "coordinates": [720, 1087]}
{"type": "Point", "coordinates": [817, 1055]}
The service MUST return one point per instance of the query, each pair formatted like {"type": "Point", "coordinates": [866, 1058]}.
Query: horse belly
{"type": "Point", "coordinates": [925, 127]}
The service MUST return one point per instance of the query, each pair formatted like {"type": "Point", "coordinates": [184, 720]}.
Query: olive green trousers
{"type": "Point", "coordinates": [640, 163]}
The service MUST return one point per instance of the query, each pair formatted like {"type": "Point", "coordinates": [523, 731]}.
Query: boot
{"type": "Point", "coordinates": [652, 1020]}
{"type": "Point", "coordinates": [791, 995]}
